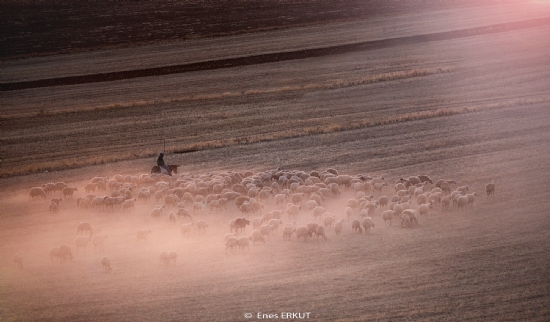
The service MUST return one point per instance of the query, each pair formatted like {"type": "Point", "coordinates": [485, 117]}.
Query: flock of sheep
{"type": "Point", "coordinates": [271, 202]}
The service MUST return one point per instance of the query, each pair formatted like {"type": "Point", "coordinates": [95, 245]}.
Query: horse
{"type": "Point", "coordinates": [173, 168]}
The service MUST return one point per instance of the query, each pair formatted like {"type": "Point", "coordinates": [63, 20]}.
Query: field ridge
{"type": "Point", "coordinates": [276, 57]}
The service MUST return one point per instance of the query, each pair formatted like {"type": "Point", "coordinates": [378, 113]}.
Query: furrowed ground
{"type": "Point", "coordinates": [473, 109]}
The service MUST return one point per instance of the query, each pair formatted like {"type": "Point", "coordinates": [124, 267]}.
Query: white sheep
{"type": "Point", "coordinates": [65, 252]}
{"type": "Point", "coordinates": [128, 204]}
{"type": "Point", "coordinates": [321, 232]}
{"type": "Point", "coordinates": [275, 223]}
{"type": "Point", "coordinates": [292, 210]}
{"type": "Point", "coordinates": [231, 243]}
{"type": "Point", "coordinates": [53, 207]}
{"type": "Point", "coordinates": [368, 223]}
{"type": "Point", "coordinates": [243, 242]}
{"type": "Point", "coordinates": [328, 220]}
{"type": "Point", "coordinates": [202, 225]}
{"type": "Point", "coordinates": [349, 213]}
{"type": "Point", "coordinates": [186, 229]}
{"type": "Point", "coordinates": [471, 198]}
{"type": "Point", "coordinates": [462, 201]}
{"type": "Point", "coordinates": [106, 263]}
{"type": "Point", "coordinates": [287, 232]}
{"type": "Point", "coordinates": [310, 204]}
{"type": "Point", "coordinates": [37, 192]}
{"type": "Point", "coordinates": [356, 227]}
{"type": "Point", "coordinates": [338, 226]}
{"type": "Point", "coordinates": [81, 242]}
{"type": "Point", "coordinates": [266, 230]}
{"type": "Point", "coordinates": [155, 213]}
{"type": "Point", "coordinates": [142, 234]}
{"type": "Point", "coordinates": [303, 231]}
{"type": "Point", "coordinates": [423, 209]}
{"type": "Point", "coordinates": [172, 256]}
{"type": "Point", "coordinates": [405, 220]}
{"type": "Point", "coordinates": [163, 258]}
{"type": "Point", "coordinates": [318, 211]}
{"type": "Point", "coordinates": [413, 215]}
{"type": "Point", "coordinates": [99, 242]}
{"type": "Point", "coordinates": [228, 235]}
{"type": "Point", "coordinates": [256, 236]}
{"type": "Point", "coordinates": [18, 261]}
{"type": "Point", "coordinates": [84, 227]}
{"type": "Point", "coordinates": [54, 253]}
{"type": "Point", "coordinates": [388, 216]}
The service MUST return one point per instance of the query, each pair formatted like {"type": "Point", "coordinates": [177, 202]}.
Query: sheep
{"type": "Point", "coordinates": [256, 236]}
{"type": "Point", "coordinates": [490, 189]}
{"type": "Point", "coordinates": [383, 201]}
{"type": "Point", "coordinates": [471, 198]}
{"type": "Point", "coordinates": [81, 242]}
{"type": "Point", "coordinates": [349, 213]}
{"type": "Point", "coordinates": [172, 217]}
{"type": "Point", "coordinates": [229, 235]}
{"type": "Point", "coordinates": [231, 243]}
{"type": "Point", "coordinates": [84, 227]}
{"type": "Point", "coordinates": [367, 224]}
{"type": "Point", "coordinates": [53, 207]}
{"type": "Point", "coordinates": [68, 192]}
{"type": "Point", "coordinates": [266, 230]}
{"type": "Point", "coordinates": [37, 192]}
{"type": "Point", "coordinates": [379, 187]}
{"type": "Point", "coordinates": [172, 256]}
{"type": "Point", "coordinates": [90, 187]}
{"type": "Point", "coordinates": [425, 178]}
{"type": "Point", "coordinates": [423, 209]}
{"type": "Point", "coordinates": [106, 263]}
{"type": "Point", "coordinates": [462, 201]}
{"type": "Point", "coordinates": [310, 204]}
{"type": "Point", "coordinates": [163, 258]}
{"type": "Point", "coordinates": [128, 204]}
{"type": "Point", "coordinates": [202, 225]}
{"type": "Point", "coordinates": [287, 232]}
{"type": "Point", "coordinates": [99, 242]}
{"type": "Point", "coordinates": [243, 242]}
{"type": "Point", "coordinates": [303, 231]}
{"type": "Point", "coordinates": [82, 202]}
{"type": "Point", "coordinates": [155, 213]}
{"type": "Point", "coordinates": [445, 203]}
{"type": "Point", "coordinates": [142, 234]}
{"type": "Point", "coordinates": [352, 203]}
{"type": "Point", "coordinates": [405, 220]}
{"type": "Point", "coordinates": [388, 216]}
{"type": "Point", "coordinates": [65, 252]}
{"type": "Point", "coordinates": [186, 229]}
{"type": "Point", "coordinates": [275, 223]}
{"type": "Point", "coordinates": [338, 226]}
{"type": "Point", "coordinates": [54, 253]}
{"type": "Point", "coordinates": [328, 220]}
{"type": "Point", "coordinates": [18, 261]}
{"type": "Point", "coordinates": [98, 202]}
{"type": "Point", "coordinates": [421, 198]}
{"type": "Point", "coordinates": [462, 189]}
{"type": "Point", "coordinates": [321, 232]}
{"type": "Point", "coordinates": [279, 199]}
{"type": "Point", "coordinates": [318, 211]}
{"type": "Point", "coordinates": [292, 210]}
{"type": "Point", "coordinates": [356, 227]}
{"type": "Point", "coordinates": [413, 215]}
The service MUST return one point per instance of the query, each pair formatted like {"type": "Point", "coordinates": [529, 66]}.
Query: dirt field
{"type": "Point", "coordinates": [474, 109]}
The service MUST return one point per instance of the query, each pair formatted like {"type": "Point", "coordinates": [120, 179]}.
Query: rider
{"type": "Point", "coordinates": [161, 164]}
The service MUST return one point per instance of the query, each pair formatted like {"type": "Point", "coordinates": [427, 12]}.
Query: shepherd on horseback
{"type": "Point", "coordinates": [162, 165]}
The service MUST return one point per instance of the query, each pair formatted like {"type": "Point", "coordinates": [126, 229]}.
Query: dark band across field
{"type": "Point", "coordinates": [274, 57]}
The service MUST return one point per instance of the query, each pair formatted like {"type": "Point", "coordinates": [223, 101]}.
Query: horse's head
{"type": "Point", "coordinates": [174, 167]}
